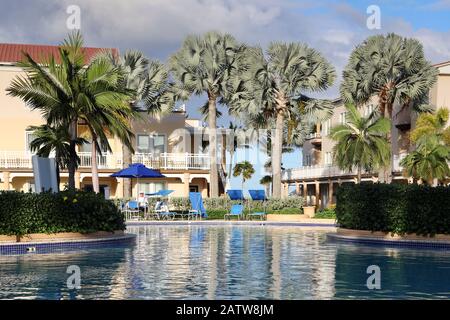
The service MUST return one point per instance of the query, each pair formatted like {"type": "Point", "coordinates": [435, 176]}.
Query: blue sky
{"type": "Point", "coordinates": [157, 27]}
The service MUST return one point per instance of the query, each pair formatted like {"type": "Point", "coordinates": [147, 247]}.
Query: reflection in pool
{"type": "Point", "coordinates": [228, 262]}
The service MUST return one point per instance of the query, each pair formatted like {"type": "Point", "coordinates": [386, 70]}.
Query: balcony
{"type": "Point", "coordinates": [316, 172]}
{"type": "Point", "coordinates": [164, 161]}
{"type": "Point", "coordinates": [173, 161]}
{"type": "Point", "coordinates": [315, 138]}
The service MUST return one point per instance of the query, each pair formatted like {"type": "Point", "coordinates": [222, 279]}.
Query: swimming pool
{"type": "Point", "coordinates": [228, 262]}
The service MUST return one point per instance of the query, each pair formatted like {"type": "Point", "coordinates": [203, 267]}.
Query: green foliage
{"type": "Point", "coordinates": [67, 211]}
{"type": "Point", "coordinates": [394, 208]}
{"type": "Point", "coordinates": [432, 139]}
{"type": "Point", "coordinates": [361, 142]}
{"type": "Point", "coordinates": [327, 213]}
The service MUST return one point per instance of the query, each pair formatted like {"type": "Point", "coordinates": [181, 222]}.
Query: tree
{"type": "Point", "coordinates": [67, 90]}
{"type": "Point", "coordinates": [432, 138]}
{"type": "Point", "coordinates": [148, 82]}
{"type": "Point", "coordinates": [52, 87]}
{"type": "Point", "coordinates": [266, 181]}
{"type": "Point", "coordinates": [428, 161]}
{"type": "Point", "coordinates": [245, 169]}
{"type": "Point", "coordinates": [202, 66]}
{"type": "Point", "coordinates": [361, 142]}
{"type": "Point", "coordinates": [273, 91]}
{"type": "Point", "coordinates": [393, 69]}
{"type": "Point", "coordinates": [50, 140]}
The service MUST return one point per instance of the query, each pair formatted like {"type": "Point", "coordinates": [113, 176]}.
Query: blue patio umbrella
{"type": "Point", "coordinates": [137, 170]}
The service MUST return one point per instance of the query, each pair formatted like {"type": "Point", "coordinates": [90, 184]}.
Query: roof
{"type": "Point", "coordinates": [13, 53]}
{"type": "Point", "coordinates": [442, 64]}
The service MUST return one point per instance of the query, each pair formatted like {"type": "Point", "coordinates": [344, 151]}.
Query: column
{"type": "Point", "coordinates": [186, 179]}
{"type": "Point", "coordinates": [77, 180]}
{"type": "Point", "coordinates": [330, 193]}
{"type": "Point", "coordinates": [6, 180]}
{"type": "Point", "coordinates": [285, 190]}
{"type": "Point", "coordinates": [119, 188]}
{"type": "Point", "coordinates": [297, 188]}
{"type": "Point", "coordinates": [305, 190]}
{"type": "Point", "coordinates": [317, 194]}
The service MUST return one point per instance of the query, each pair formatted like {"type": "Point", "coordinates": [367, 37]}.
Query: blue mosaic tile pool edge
{"type": "Point", "coordinates": [228, 223]}
{"type": "Point", "coordinates": [435, 244]}
{"type": "Point", "coordinates": [21, 248]}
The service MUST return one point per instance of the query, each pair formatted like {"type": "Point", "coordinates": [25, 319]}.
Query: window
{"type": "Point", "coordinates": [151, 187]}
{"type": "Point", "coordinates": [308, 160]}
{"type": "Point", "coordinates": [326, 128]}
{"type": "Point", "coordinates": [29, 137]}
{"type": "Point", "coordinates": [343, 118]}
{"type": "Point", "coordinates": [155, 144]}
{"type": "Point", "coordinates": [87, 147]}
{"type": "Point", "coordinates": [328, 158]}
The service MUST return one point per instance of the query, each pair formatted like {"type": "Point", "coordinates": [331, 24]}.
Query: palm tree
{"type": "Point", "coordinates": [274, 91]}
{"type": "Point", "coordinates": [361, 142]}
{"type": "Point", "coordinates": [266, 182]}
{"type": "Point", "coordinates": [203, 66]}
{"type": "Point", "coordinates": [53, 88]}
{"type": "Point", "coordinates": [430, 159]}
{"type": "Point", "coordinates": [148, 83]}
{"type": "Point", "coordinates": [245, 169]}
{"type": "Point", "coordinates": [50, 140]}
{"type": "Point", "coordinates": [104, 109]}
{"type": "Point", "coordinates": [393, 69]}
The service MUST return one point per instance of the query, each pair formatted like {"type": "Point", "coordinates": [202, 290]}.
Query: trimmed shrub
{"type": "Point", "coordinates": [401, 209]}
{"type": "Point", "coordinates": [328, 213]}
{"type": "Point", "coordinates": [84, 212]}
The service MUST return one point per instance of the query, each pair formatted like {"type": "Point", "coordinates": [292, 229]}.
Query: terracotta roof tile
{"type": "Point", "coordinates": [12, 53]}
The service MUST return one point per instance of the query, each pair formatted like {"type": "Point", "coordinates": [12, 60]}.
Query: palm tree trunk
{"type": "Point", "coordinates": [230, 169]}
{"type": "Point", "coordinates": [127, 159]}
{"type": "Point", "coordinates": [277, 144]}
{"type": "Point", "coordinates": [385, 173]}
{"type": "Point", "coordinates": [94, 166]}
{"type": "Point", "coordinates": [214, 185]}
{"type": "Point", "coordinates": [359, 175]}
{"type": "Point", "coordinates": [72, 165]}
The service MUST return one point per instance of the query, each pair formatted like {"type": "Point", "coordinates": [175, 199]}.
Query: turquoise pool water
{"type": "Point", "coordinates": [228, 262]}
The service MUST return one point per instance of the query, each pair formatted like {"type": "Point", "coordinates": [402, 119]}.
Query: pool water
{"type": "Point", "coordinates": [229, 262]}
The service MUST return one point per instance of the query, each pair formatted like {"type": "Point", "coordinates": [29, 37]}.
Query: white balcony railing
{"type": "Point", "coordinates": [166, 161]}
{"type": "Point", "coordinates": [315, 135]}
{"type": "Point", "coordinates": [311, 172]}
{"type": "Point", "coordinates": [175, 161]}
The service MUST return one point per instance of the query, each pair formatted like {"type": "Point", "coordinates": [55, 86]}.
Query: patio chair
{"type": "Point", "coordinates": [132, 211]}
{"type": "Point", "coordinates": [258, 195]}
{"type": "Point", "coordinates": [236, 194]}
{"type": "Point", "coordinates": [197, 211]}
{"type": "Point", "coordinates": [162, 211]}
{"type": "Point", "coordinates": [237, 210]}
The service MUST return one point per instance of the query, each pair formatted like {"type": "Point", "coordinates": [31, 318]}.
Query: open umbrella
{"type": "Point", "coordinates": [137, 170]}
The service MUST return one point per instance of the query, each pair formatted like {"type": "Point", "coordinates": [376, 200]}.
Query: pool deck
{"type": "Point", "coordinates": [328, 223]}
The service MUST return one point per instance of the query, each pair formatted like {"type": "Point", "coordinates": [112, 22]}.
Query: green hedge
{"type": "Point", "coordinates": [401, 209]}
{"type": "Point", "coordinates": [23, 213]}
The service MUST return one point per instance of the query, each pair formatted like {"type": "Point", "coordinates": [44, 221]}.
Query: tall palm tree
{"type": "Point", "coordinates": [202, 66]}
{"type": "Point", "coordinates": [395, 70]}
{"type": "Point", "coordinates": [104, 109]}
{"type": "Point", "coordinates": [244, 168]}
{"type": "Point", "coordinates": [53, 88]}
{"type": "Point", "coordinates": [274, 91]}
{"type": "Point", "coordinates": [148, 82]}
{"type": "Point", "coordinates": [361, 142]}
{"type": "Point", "coordinates": [50, 140]}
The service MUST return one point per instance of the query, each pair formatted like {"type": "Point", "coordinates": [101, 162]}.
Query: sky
{"type": "Point", "coordinates": [158, 27]}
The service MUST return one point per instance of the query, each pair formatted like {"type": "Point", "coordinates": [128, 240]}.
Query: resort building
{"type": "Point", "coordinates": [318, 177]}
{"type": "Point", "coordinates": [169, 143]}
